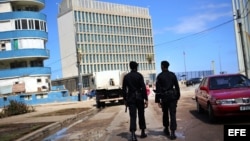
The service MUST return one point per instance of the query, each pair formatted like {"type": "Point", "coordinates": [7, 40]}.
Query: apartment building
{"type": "Point", "coordinates": [99, 36]}
{"type": "Point", "coordinates": [23, 37]}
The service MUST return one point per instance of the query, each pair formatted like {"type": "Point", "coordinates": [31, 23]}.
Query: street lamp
{"type": "Point", "coordinates": [212, 66]}
{"type": "Point", "coordinates": [184, 54]}
{"type": "Point", "coordinates": [150, 60]}
{"type": "Point", "coordinates": [79, 60]}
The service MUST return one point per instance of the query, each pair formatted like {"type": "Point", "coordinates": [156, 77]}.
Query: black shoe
{"type": "Point", "coordinates": [166, 131]}
{"type": "Point", "coordinates": [133, 137]}
{"type": "Point", "coordinates": [172, 135]}
{"type": "Point", "coordinates": [143, 135]}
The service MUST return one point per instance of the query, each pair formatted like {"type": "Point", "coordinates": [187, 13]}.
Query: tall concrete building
{"type": "Point", "coordinates": [98, 36]}
{"type": "Point", "coordinates": [23, 37]}
{"type": "Point", "coordinates": [242, 34]}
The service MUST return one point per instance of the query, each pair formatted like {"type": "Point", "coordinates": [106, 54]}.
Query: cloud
{"type": "Point", "coordinates": [213, 6]}
{"type": "Point", "coordinates": [196, 23]}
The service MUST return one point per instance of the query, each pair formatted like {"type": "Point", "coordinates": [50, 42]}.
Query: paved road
{"type": "Point", "coordinates": [112, 124]}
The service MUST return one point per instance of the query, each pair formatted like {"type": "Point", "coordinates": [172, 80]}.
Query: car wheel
{"type": "Point", "coordinates": [198, 107]}
{"type": "Point", "coordinates": [211, 113]}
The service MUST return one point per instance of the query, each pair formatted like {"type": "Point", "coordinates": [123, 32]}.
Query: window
{"type": "Point", "coordinates": [3, 47]}
{"type": "Point", "coordinates": [17, 24]}
{"type": "Point", "coordinates": [24, 24]}
{"type": "Point", "coordinates": [39, 80]}
{"type": "Point", "coordinates": [36, 64]}
{"type": "Point", "coordinates": [31, 25]}
{"type": "Point", "coordinates": [37, 24]}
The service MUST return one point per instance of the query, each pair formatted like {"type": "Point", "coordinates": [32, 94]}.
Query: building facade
{"type": "Point", "coordinates": [23, 35]}
{"type": "Point", "coordinates": [242, 32]}
{"type": "Point", "coordinates": [99, 36]}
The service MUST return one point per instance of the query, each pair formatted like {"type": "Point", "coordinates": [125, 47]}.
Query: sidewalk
{"type": "Point", "coordinates": [58, 121]}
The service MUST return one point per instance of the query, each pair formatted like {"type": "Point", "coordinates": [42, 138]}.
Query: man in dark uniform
{"type": "Point", "coordinates": [167, 96]}
{"type": "Point", "coordinates": [135, 97]}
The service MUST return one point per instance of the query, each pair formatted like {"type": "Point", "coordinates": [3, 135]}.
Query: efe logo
{"type": "Point", "coordinates": [237, 132]}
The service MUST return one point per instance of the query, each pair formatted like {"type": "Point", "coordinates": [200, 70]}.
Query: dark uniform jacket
{"type": "Point", "coordinates": [134, 82]}
{"type": "Point", "coordinates": [165, 81]}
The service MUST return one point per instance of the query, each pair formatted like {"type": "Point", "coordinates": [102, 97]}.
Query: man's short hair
{"type": "Point", "coordinates": [165, 64]}
{"type": "Point", "coordinates": [133, 65]}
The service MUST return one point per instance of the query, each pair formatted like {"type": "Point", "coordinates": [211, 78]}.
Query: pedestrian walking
{"type": "Point", "coordinates": [167, 96]}
{"type": "Point", "coordinates": [135, 97]}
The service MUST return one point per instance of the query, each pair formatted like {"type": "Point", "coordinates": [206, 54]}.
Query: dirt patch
{"type": "Point", "coordinates": [10, 132]}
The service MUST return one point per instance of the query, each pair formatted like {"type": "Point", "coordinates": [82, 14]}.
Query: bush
{"type": "Point", "coordinates": [16, 108]}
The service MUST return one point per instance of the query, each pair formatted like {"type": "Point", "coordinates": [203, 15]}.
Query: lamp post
{"type": "Point", "coordinates": [212, 67]}
{"type": "Point", "coordinates": [150, 59]}
{"type": "Point", "coordinates": [184, 54]}
{"type": "Point", "coordinates": [79, 60]}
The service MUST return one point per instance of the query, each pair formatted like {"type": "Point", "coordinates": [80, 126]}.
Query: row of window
{"type": "Point", "coordinates": [127, 40]}
{"type": "Point", "coordinates": [90, 17]}
{"type": "Point", "coordinates": [23, 64]}
{"type": "Point", "coordinates": [123, 67]}
{"type": "Point", "coordinates": [30, 24]}
{"type": "Point", "coordinates": [114, 49]}
{"type": "Point", "coordinates": [25, 8]}
{"type": "Point", "coordinates": [110, 29]}
{"type": "Point", "coordinates": [106, 58]}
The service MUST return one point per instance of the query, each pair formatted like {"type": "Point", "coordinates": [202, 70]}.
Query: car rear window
{"type": "Point", "coordinates": [224, 82]}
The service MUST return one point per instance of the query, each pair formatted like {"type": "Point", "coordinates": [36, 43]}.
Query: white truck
{"type": "Point", "coordinates": [108, 86]}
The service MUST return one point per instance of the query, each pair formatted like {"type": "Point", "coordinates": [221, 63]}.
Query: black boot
{"type": "Point", "coordinates": [172, 135]}
{"type": "Point", "coordinates": [133, 136]}
{"type": "Point", "coordinates": [166, 131]}
{"type": "Point", "coordinates": [143, 135]}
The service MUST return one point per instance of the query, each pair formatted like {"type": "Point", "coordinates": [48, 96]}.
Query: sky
{"type": "Point", "coordinates": [189, 34]}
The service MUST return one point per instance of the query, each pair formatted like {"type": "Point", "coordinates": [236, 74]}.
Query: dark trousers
{"type": "Point", "coordinates": [169, 110]}
{"type": "Point", "coordinates": [133, 107]}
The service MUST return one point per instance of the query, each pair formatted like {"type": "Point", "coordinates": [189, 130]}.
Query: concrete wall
{"type": "Point", "coordinates": [41, 98]}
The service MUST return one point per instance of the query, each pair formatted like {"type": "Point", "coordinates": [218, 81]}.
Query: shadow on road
{"type": "Point", "coordinates": [123, 135]}
{"type": "Point", "coordinates": [222, 120]}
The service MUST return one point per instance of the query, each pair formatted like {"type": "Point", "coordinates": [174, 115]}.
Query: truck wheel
{"type": "Point", "coordinates": [121, 101]}
{"type": "Point", "coordinates": [98, 104]}
{"type": "Point", "coordinates": [103, 104]}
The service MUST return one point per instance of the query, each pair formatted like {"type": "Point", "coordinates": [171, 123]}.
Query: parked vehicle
{"type": "Point", "coordinates": [223, 95]}
{"type": "Point", "coordinates": [108, 87]}
{"type": "Point", "coordinates": [193, 81]}
{"type": "Point", "coordinates": [91, 93]}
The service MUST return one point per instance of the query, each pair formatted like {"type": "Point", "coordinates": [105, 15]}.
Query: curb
{"type": "Point", "coordinates": [54, 127]}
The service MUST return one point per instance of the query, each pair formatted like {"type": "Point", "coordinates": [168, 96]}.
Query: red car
{"type": "Point", "coordinates": [223, 95]}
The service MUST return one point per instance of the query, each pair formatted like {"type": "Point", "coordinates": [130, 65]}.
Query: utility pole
{"type": "Point", "coordinates": [242, 44]}
{"type": "Point", "coordinates": [79, 60]}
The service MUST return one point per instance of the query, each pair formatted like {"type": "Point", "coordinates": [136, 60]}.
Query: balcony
{"type": "Point", "coordinates": [24, 53]}
{"type": "Point", "coordinates": [39, 3]}
{"type": "Point", "coordinates": [22, 14]}
{"type": "Point", "coordinates": [24, 72]}
{"type": "Point", "coordinates": [23, 34]}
